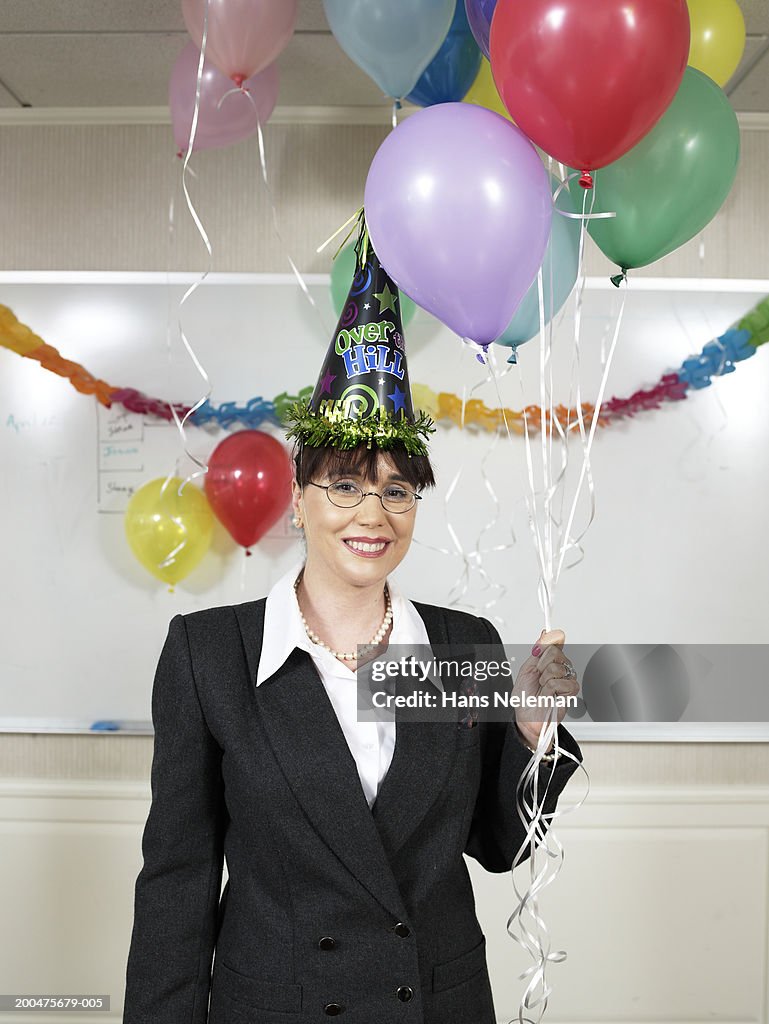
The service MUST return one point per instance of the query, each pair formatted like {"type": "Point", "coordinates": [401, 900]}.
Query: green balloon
{"type": "Point", "coordinates": [669, 186]}
{"type": "Point", "coordinates": [342, 273]}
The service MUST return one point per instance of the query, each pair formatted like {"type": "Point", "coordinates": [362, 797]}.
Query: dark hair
{"type": "Point", "coordinates": [311, 463]}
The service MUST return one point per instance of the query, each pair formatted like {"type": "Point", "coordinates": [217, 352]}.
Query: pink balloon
{"type": "Point", "coordinates": [217, 126]}
{"type": "Point", "coordinates": [244, 36]}
{"type": "Point", "coordinates": [459, 209]}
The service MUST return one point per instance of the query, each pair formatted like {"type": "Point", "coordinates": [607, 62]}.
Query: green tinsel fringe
{"type": "Point", "coordinates": [382, 429]}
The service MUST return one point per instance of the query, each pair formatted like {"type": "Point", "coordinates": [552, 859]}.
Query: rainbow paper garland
{"type": "Point", "coordinates": [718, 357]}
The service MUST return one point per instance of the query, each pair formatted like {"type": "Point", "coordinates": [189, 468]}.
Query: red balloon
{"type": "Point", "coordinates": [248, 484]}
{"type": "Point", "coordinates": [587, 79]}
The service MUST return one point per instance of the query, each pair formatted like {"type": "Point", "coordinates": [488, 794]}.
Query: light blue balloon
{"type": "Point", "coordinates": [563, 250]}
{"type": "Point", "coordinates": [392, 40]}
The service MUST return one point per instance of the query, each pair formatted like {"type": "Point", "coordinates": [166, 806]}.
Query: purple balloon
{"type": "Point", "coordinates": [459, 209]}
{"type": "Point", "coordinates": [479, 14]}
{"type": "Point", "coordinates": [217, 126]}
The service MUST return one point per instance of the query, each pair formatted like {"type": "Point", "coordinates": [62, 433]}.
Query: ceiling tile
{"type": "Point", "coordinates": [312, 17]}
{"type": "Point", "coordinates": [92, 16]}
{"type": "Point", "coordinates": [116, 53]}
{"type": "Point", "coordinates": [752, 94]}
{"type": "Point", "coordinates": [93, 71]}
{"type": "Point", "coordinates": [756, 15]}
{"type": "Point", "coordinates": [108, 70]}
{"type": "Point", "coordinates": [121, 16]}
{"type": "Point", "coordinates": [315, 71]}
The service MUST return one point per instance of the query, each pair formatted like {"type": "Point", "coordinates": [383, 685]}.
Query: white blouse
{"type": "Point", "coordinates": [371, 743]}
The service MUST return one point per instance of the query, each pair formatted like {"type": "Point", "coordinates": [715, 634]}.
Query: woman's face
{"type": "Point", "coordinates": [334, 535]}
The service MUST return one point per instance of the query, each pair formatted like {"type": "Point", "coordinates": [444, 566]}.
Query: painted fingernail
{"type": "Point", "coordinates": [536, 650]}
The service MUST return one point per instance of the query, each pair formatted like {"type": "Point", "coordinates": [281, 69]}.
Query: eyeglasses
{"type": "Point", "coordinates": [345, 494]}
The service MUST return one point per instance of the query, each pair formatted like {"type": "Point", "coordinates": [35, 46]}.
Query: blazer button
{"type": "Point", "coordinates": [326, 942]}
{"type": "Point", "coordinates": [402, 929]}
{"type": "Point", "coordinates": [332, 1009]}
{"type": "Point", "coordinates": [405, 992]}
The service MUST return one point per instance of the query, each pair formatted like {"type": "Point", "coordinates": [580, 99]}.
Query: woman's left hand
{"type": "Point", "coordinates": [548, 671]}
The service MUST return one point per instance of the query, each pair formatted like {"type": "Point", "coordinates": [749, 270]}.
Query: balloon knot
{"type": "Point", "coordinates": [248, 552]}
{"type": "Point", "coordinates": [586, 181]}
{"type": "Point", "coordinates": [239, 80]}
{"type": "Point", "coordinates": [617, 279]}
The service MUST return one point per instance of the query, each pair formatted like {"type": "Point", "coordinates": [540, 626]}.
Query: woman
{"type": "Point", "coordinates": [347, 892]}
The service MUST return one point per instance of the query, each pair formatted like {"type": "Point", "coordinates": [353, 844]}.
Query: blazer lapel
{"type": "Point", "coordinates": [422, 759]}
{"type": "Point", "coordinates": [311, 748]}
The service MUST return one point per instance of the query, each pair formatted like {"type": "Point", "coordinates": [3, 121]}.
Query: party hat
{"type": "Point", "coordinates": [363, 392]}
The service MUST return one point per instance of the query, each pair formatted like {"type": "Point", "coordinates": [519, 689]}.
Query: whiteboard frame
{"type": "Point", "coordinates": [608, 732]}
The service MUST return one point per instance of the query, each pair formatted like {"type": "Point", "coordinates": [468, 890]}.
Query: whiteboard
{"type": "Point", "coordinates": [674, 553]}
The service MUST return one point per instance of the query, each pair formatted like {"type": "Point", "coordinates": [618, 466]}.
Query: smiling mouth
{"type": "Point", "coordinates": [367, 550]}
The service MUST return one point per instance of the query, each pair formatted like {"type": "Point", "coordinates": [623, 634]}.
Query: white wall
{"type": "Point", "coordinates": [657, 922]}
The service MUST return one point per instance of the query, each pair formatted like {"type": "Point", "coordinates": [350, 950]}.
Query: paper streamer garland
{"type": "Point", "coordinates": [718, 357]}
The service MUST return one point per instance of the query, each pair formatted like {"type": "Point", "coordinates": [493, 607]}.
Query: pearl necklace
{"type": "Point", "coordinates": [346, 655]}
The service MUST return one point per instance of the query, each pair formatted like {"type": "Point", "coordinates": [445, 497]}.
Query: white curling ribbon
{"type": "Point", "coordinates": [568, 213]}
{"type": "Point", "coordinates": [567, 542]}
{"type": "Point", "coordinates": [462, 580]}
{"type": "Point", "coordinates": [546, 589]}
{"type": "Point", "coordinates": [479, 551]}
{"type": "Point", "coordinates": [196, 284]}
{"type": "Point", "coordinates": [473, 558]}
{"type": "Point", "coordinates": [170, 261]}
{"type": "Point", "coordinates": [532, 816]}
{"type": "Point", "coordinates": [546, 438]}
{"type": "Point", "coordinates": [531, 512]}
{"type": "Point", "coordinates": [550, 542]}
{"type": "Point", "coordinates": [263, 163]}
{"type": "Point", "coordinates": [273, 209]}
{"type": "Point", "coordinates": [588, 445]}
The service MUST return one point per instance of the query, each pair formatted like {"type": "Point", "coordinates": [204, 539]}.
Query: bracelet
{"type": "Point", "coordinates": [545, 757]}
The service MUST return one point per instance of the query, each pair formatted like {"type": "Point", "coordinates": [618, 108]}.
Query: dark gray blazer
{"type": "Point", "coordinates": [331, 908]}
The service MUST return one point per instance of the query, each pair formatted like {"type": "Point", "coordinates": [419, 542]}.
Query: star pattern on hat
{"type": "Point", "coordinates": [365, 359]}
{"type": "Point", "coordinates": [398, 398]}
{"type": "Point", "coordinates": [387, 299]}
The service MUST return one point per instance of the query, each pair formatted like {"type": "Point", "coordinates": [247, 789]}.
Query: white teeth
{"type": "Point", "coordinates": [359, 546]}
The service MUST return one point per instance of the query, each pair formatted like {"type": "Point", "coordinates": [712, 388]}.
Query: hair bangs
{"type": "Point", "coordinates": [313, 463]}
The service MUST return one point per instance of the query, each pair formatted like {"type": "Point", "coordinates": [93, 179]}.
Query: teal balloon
{"type": "Point", "coordinates": [669, 186]}
{"type": "Point", "coordinates": [393, 41]}
{"type": "Point", "coordinates": [559, 266]}
{"type": "Point", "coordinates": [343, 271]}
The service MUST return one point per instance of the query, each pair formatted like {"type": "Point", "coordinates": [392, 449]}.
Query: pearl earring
{"type": "Point", "coordinates": [297, 521]}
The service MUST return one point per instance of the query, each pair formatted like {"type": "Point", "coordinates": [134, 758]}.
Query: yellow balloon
{"type": "Point", "coordinates": [717, 37]}
{"type": "Point", "coordinates": [483, 92]}
{"type": "Point", "coordinates": [169, 534]}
